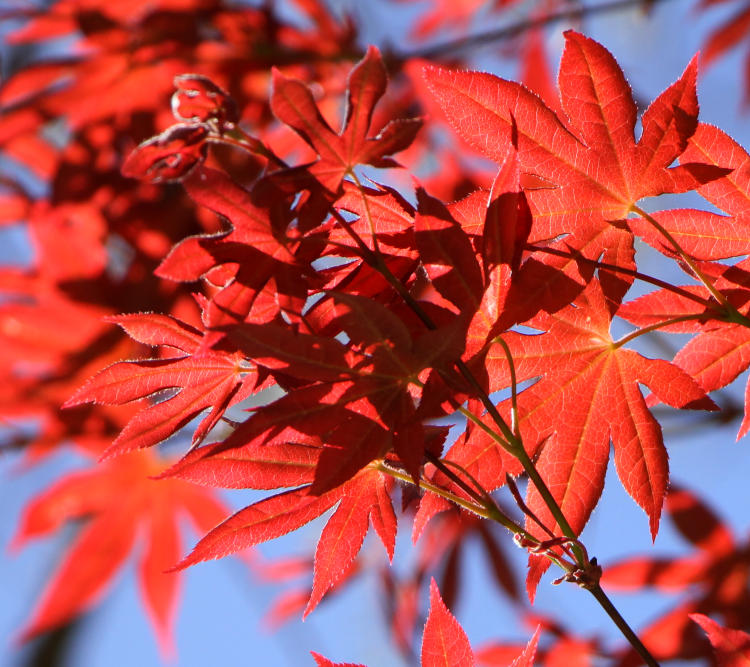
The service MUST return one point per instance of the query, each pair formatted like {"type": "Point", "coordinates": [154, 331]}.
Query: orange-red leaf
{"type": "Point", "coordinates": [590, 160]}
{"type": "Point", "coordinates": [343, 535]}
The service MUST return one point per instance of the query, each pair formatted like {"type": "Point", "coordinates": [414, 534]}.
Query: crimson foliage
{"type": "Point", "coordinates": [447, 255]}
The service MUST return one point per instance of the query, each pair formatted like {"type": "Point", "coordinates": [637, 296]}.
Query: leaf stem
{"type": "Point", "coordinates": [473, 507]}
{"type": "Point", "coordinates": [444, 466]}
{"type": "Point", "coordinates": [655, 327]}
{"type": "Point", "coordinates": [549, 499]}
{"type": "Point", "coordinates": [514, 445]}
{"type": "Point", "coordinates": [482, 498]}
{"type": "Point", "coordinates": [368, 255]}
{"type": "Point", "coordinates": [511, 484]}
{"type": "Point", "coordinates": [685, 257]}
{"type": "Point", "coordinates": [514, 422]}
{"type": "Point", "coordinates": [492, 513]}
{"type": "Point", "coordinates": [621, 623]}
{"type": "Point", "coordinates": [366, 205]}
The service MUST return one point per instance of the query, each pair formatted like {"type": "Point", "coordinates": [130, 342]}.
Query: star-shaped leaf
{"type": "Point", "coordinates": [293, 103]}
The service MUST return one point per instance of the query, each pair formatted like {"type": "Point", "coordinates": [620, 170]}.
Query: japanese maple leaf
{"type": "Point", "coordinates": [718, 351]}
{"type": "Point", "coordinates": [595, 170]}
{"type": "Point", "coordinates": [445, 644]}
{"type": "Point", "coordinates": [588, 394]}
{"type": "Point", "coordinates": [122, 510]}
{"type": "Point", "coordinates": [293, 104]}
{"type": "Point", "coordinates": [317, 414]}
{"type": "Point", "coordinates": [206, 380]}
{"type": "Point", "coordinates": [447, 255]}
{"type": "Point", "coordinates": [385, 221]}
{"type": "Point", "coordinates": [712, 580]}
{"type": "Point", "coordinates": [471, 250]}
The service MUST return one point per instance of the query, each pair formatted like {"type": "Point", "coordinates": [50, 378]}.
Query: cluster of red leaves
{"type": "Point", "coordinates": [373, 302]}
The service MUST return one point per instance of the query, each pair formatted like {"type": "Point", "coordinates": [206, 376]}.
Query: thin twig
{"type": "Point", "coordinates": [511, 484]}
{"type": "Point", "coordinates": [472, 42]}
{"type": "Point", "coordinates": [621, 623]}
{"type": "Point", "coordinates": [722, 300]}
{"type": "Point", "coordinates": [655, 327]}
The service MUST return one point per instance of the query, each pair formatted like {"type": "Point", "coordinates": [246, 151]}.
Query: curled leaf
{"type": "Point", "coordinates": [169, 156]}
{"type": "Point", "coordinates": [199, 100]}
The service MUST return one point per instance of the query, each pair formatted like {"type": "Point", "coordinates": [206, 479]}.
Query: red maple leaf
{"type": "Point", "coordinates": [355, 399]}
{"type": "Point", "coordinates": [293, 103]}
{"type": "Point", "coordinates": [362, 500]}
{"type": "Point", "coordinates": [260, 269]}
{"type": "Point", "coordinates": [594, 170]}
{"type": "Point", "coordinates": [123, 510]}
{"type": "Point", "coordinates": [204, 380]}
{"type": "Point", "coordinates": [703, 234]}
{"type": "Point", "coordinates": [576, 356]}
{"type": "Point", "coordinates": [720, 347]}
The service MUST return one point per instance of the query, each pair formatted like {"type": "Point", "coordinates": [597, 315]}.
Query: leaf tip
{"type": "Point", "coordinates": [277, 78]}
{"type": "Point", "coordinates": [373, 52]}
{"type": "Point", "coordinates": [183, 564]}
{"type": "Point", "coordinates": [429, 72]}
{"type": "Point", "coordinates": [653, 522]}
{"type": "Point", "coordinates": [73, 402]}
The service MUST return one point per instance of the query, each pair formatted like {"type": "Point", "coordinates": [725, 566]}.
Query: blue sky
{"type": "Point", "coordinates": [219, 620]}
